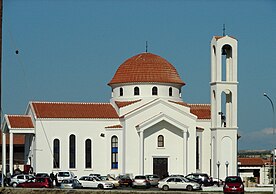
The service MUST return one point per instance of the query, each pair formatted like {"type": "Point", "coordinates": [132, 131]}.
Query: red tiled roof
{"type": "Point", "coordinates": [17, 139]}
{"type": "Point", "coordinates": [146, 67]}
{"type": "Point", "coordinates": [20, 121]}
{"type": "Point", "coordinates": [74, 110]}
{"type": "Point", "coordinates": [121, 104]}
{"type": "Point", "coordinates": [251, 161]}
{"type": "Point", "coordinates": [115, 127]}
{"type": "Point", "coordinates": [202, 111]}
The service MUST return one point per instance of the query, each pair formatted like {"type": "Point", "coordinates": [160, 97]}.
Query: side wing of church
{"type": "Point", "coordinates": [146, 128]}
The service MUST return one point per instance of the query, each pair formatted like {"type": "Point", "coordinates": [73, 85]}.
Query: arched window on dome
{"type": "Point", "coordinates": [154, 91]}
{"type": "Point", "coordinates": [180, 92]}
{"type": "Point", "coordinates": [160, 141]}
{"type": "Point", "coordinates": [136, 91]}
{"type": "Point", "coordinates": [170, 91]}
{"type": "Point", "coordinates": [121, 91]}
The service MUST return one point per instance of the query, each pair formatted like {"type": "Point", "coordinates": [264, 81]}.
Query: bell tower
{"type": "Point", "coordinates": [224, 106]}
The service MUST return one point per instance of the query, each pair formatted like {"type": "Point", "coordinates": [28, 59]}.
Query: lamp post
{"type": "Point", "coordinates": [218, 164]}
{"type": "Point", "coordinates": [273, 152]}
{"type": "Point", "coordinates": [226, 165]}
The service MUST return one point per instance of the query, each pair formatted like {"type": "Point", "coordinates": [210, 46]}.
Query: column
{"type": "Point", "coordinates": [11, 153]}
{"type": "Point", "coordinates": [185, 161]}
{"type": "Point", "coordinates": [141, 170]}
{"type": "Point", "coordinates": [4, 153]}
{"type": "Point", "coordinates": [124, 151]}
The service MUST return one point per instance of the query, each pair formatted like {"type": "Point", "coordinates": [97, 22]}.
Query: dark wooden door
{"type": "Point", "coordinates": [160, 167]}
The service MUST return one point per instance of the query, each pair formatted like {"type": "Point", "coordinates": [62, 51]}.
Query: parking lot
{"type": "Point", "coordinates": [125, 190]}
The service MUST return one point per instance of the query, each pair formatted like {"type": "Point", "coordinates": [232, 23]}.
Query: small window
{"type": "Point", "coordinates": [88, 153]}
{"type": "Point", "coordinates": [56, 149]}
{"type": "Point", "coordinates": [121, 91]}
{"type": "Point", "coordinates": [154, 91]}
{"type": "Point", "coordinates": [72, 151]}
{"type": "Point", "coordinates": [160, 141]}
{"type": "Point", "coordinates": [136, 91]}
{"type": "Point", "coordinates": [114, 152]}
{"type": "Point", "coordinates": [170, 91]}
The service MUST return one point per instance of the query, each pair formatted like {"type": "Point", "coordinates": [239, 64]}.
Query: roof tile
{"type": "Point", "coordinates": [20, 121]}
{"type": "Point", "coordinates": [202, 111]}
{"type": "Point", "coordinates": [251, 161]}
{"type": "Point", "coordinates": [121, 104]}
{"type": "Point", "coordinates": [74, 110]}
{"type": "Point", "coordinates": [146, 67]}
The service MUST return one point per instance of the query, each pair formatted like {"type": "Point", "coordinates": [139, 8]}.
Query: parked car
{"type": "Point", "coordinates": [42, 174]}
{"type": "Point", "coordinates": [20, 178]}
{"type": "Point", "coordinates": [124, 180]}
{"type": "Point", "coordinates": [201, 178]}
{"type": "Point", "coordinates": [178, 183]}
{"type": "Point", "coordinates": [70, 184]}
{"type": "Point", "coordinates": [217, 181]}
{"type": "Point", "coordinates": [153, 179]}
{"type": "Point", "coordinates": [176, 175]}
{"type": "Point", "coordinates": [111, 180]}
{"type": "Point", "coordinates": [95, 174]}
{"type": "Point", "coordinates": [233, 184]}
{"type": "Point", "coordinates": [42, 182]}
{"type": "Point", "coordinates": [94, 182]}
{"type": "Point", "coordinates": [140, 181]}
{"type": "Point", "coordinates": [64, 175]}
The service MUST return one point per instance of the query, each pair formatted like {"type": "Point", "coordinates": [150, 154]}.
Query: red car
{"type": "Point", "coordinates": [233, 184]}
{"type": "Point", "coordinates": [42, 182]}
{"type": "Point", "coordinates": [124, 181]}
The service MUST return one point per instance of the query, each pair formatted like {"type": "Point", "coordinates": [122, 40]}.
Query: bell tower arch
{"type": "Point", "coordinates": [224, 86]}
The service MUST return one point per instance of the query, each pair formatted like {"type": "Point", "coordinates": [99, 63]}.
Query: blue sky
{"type": "Point", "coordinates": [69, 50]}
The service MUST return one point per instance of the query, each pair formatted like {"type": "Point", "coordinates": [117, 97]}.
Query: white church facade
{"type": "Point", "coordinates": [146, 128]}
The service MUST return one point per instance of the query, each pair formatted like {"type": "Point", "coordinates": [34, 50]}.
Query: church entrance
{"type": "Point", "coordinates": [160, 167]}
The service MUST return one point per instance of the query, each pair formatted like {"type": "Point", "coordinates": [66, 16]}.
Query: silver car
{"type": "Point", "coordinates": [20, 178]}
{"type": "Point", "coordinates": [153, 179]}
{"type": "Point", "coordinates": [178, 183]}
{"type": "Point", "coordinates": [140, 181]}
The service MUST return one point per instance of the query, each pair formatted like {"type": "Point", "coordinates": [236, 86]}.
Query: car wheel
{"type": "Point", "coordinates": [14, 185]}
{"type": "Point", "coordinates": [165, 188]}
{"type": "Point", "coordinates": [189, 188]}
{"type": "Point", "coordinates": [100, 186]}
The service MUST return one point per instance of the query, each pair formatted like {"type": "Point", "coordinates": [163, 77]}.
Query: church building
{"type": "Point", "coordinates": [146, 128]}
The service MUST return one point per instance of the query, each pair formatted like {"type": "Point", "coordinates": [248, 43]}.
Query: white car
{"type": "Point", "coordinates": [110, 180]}
{"type": "Point", "coordinates": [20, 178]}
{"type": "Point", "coordinates": [178, 183]}
{"type": "Point", "coordinates": [94, 182]}
{"type": "Point", "coordinates": [64, 175]}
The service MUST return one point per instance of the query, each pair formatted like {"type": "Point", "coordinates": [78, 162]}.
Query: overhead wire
{"type": "Point", "coordinates": [20, 61]}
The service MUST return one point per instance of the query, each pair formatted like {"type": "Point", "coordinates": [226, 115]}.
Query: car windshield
{"type": "Point", "coordinates": [96, 178]}
{"type": "Point", "coordinates": [233, 180]}
{"type": "Point", "coordinates": [65, 174]}
{"type": "Point", "coordinates": [140, 177]}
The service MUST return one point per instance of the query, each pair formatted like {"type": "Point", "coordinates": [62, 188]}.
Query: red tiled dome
{"type": "Point", "coordinates": [146, 67]}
